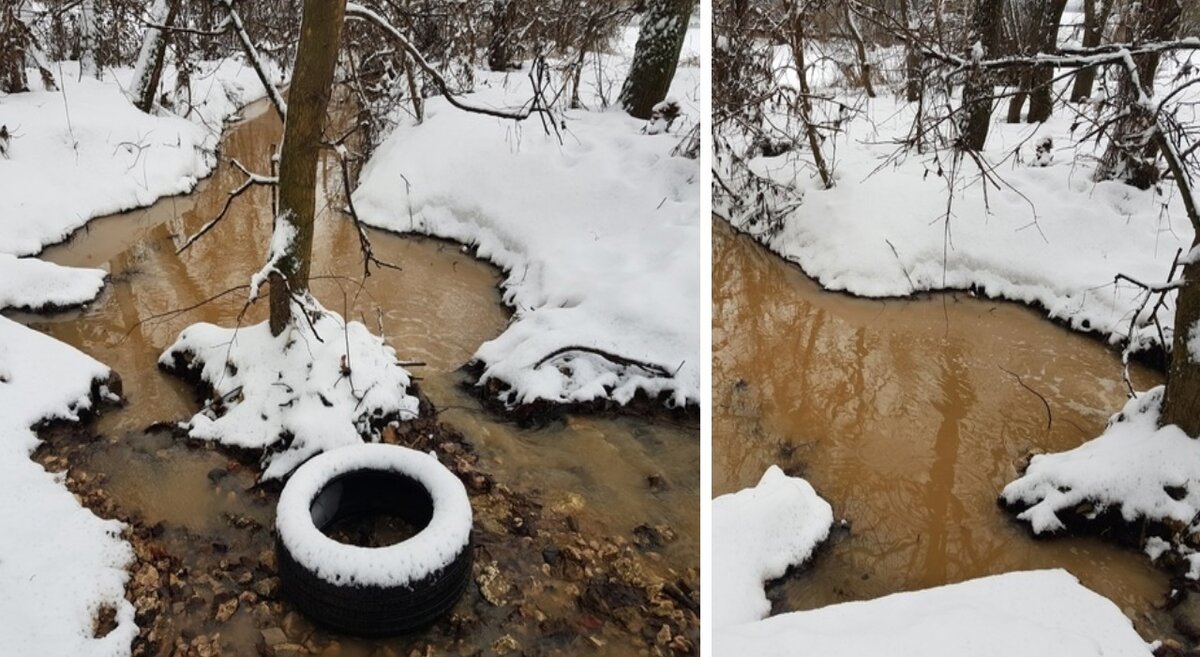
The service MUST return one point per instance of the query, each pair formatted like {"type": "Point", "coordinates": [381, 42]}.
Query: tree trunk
{"type": "Point", "coordinates": [978, 90]}
{"type": "Point", "coordinates": [87, 40]}
{"type": "Point", "coordinates": [1094, 21]}
{"type": "Point", "coordinates": [804, 100]}
{"type": "Point", "coordinates": [860, 50]}
{"type": "Point", "coordinates": [1181, 406]}
{"type": "Point", "coordinates": [912, 59]}
{"type": "Point", "coordinates": [12, 51]}
{"type": "Point", "coordinates": [1041, 94]}
{"type": "Point", "coordinates": [148, 71]}
{"type": "Point", "coordinates": [504, 15]}
{"type": "Point", "coordinates": [1017, 102]}
{"type": "Point", "coordinates": [316, 57]}
{"type": "Point", "coordinates": [660, 39]}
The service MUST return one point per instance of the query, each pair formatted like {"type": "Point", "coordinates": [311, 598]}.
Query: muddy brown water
{"type": "Point", "coordinates": [902, 415]}
{"type": "Point", "coordinates": [436, 311]}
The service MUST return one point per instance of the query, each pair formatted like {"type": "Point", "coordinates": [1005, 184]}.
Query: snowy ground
{"type": "Point", "coordinates": [599, 235]}
{"type": "Point", "coordinates": [757, 534]}
{"type": "Point", "coordinates": [1050, 236]}
{"type": "Point", "coordinates": [1045, 613]}
{"type": "Point", "coordinates": [1136, 468]}
{"type": "Point", "coordinates": [59, 564]}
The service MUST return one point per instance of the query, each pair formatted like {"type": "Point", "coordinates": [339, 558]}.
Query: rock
{"type": "Point", "coordinates": [551, 555]}
{"type": "Point", "coordinates": [505, 645]}
{"type": "Point", "coordinates": [1186, 617]}
{"type": "Point", "coordinates": [664, 635]}
{"type": "Point", "coordinates": [217, 474]}
{"type": "Point", "coordinates": [267, 587]}
{"type": "Point", "coordinates": [273, 636]}
{"type": "Point", "coordinates": [225, 610]}
{"type": "Point", "coordinates": [267, 561]}
{"type": "Point", "coordinates": [288, 650]}
{"type": "Point", "coordinates": [147, 578]}
{"type": "Point", "coordinates": [294, 625]}
{"type": "Point", "coordinates": [493, 585]}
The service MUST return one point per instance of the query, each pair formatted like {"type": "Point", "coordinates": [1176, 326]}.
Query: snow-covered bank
{"type": "Point", "coordinates": [758, 533]}
{"type": "Point", "coordinates": [1135, 468]}
{"type": "Point", "coordinates": [1032, 614]}
{"type": "Point", "coordinates": [33, 284]}
{"type": "Point", "coordinates": [599, 235]}
{"type": "Point", "coordinates": [85, 151]}
{"type": "Point", "coordinates": [59, 564]}
{"type": "Point", "coordinates": [1048, 235]}
{"type": "Point", "coordinates": [315, 387]}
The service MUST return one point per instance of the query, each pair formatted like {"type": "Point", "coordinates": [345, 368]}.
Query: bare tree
{"type": "Point", "coordinates": [1095, 18]}
{"type": "Point", "coordinates": [504, 18]}
{"type": "Point", "coordinates": [12, 50]}
{"type": "Point", "coordinates": [148, 72]}
{"type": "Point", "coordinates": [1131, 153]}
{"type": "Point", "coordinates": [1039, 33]}
{"type": "Point", "coordinates": [312, 79]}
{"type": "Point", "coordinates": [660, 40]}
{"type": "Point", "coordinates": [978, 93]}
{"type": "Point", "coordinates": [87, 39]}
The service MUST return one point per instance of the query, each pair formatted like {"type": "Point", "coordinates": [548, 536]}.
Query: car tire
{"type": "Point", "coordinates": [380, 591]}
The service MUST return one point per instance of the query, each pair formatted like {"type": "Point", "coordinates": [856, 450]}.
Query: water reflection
{"type": "Point", "coordinates": [909, 418]}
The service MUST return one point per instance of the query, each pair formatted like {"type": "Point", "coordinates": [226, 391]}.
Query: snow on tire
{"type": "Point", "coordinates": [374, 591]}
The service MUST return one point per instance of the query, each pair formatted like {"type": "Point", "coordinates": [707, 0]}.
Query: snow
{"type": "Point", "coordinates": [599, 235]}
{"type": "Point", "coordinates": [59, 564]}
{"type": "Point", "coordinates": [1129, 467]}
{"type": "Point", "coordinates": [1049, 236]}
{"type": "Point", "coordinates": [85, 151]}
{"type": "Point", "coordinates": [1193, 343]}
{"type": "Point", "coordinates": [282, 238]}
{"type": "Point", "coordinates": [433, 548]}
{"type": "Point", "coordinates": [321, 386]}
{"type": "Point", "coordinates": [757, 534]}
{"type": "Point", "coordinates": [31, 284]}
{"type": "Point", "coordinates": [1136, 468]}
{"type": "Point", "coordinates": [1045, 613]}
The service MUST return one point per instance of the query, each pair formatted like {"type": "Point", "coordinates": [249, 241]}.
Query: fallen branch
{"type": "Point", "coordinates": [652, 368]}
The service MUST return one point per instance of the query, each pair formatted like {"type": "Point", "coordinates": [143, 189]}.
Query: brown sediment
{"type": "Point", "coordinates": [548, 579]}
{"type": "Point", "coordinates": [910, 416]}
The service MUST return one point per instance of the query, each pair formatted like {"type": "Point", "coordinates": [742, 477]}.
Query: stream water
{"type": "Point", "coordinates": [908, 416]}
{"type": "Point", "coordinates": [617, 473]}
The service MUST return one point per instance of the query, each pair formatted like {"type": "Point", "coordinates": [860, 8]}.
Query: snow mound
{"type": "Point", "coordinates": [757, 534]}
{"type": "Point", "coordinates": [433, 548]}
{"type": "Point", "coordinates": [309, 390]}
{"type": "Point", "coordinates": [59, 564]}
{"type": "Point", "coordinates": [600, 236]}
{"type": "Point", "coordinates": [1136, 467]}
{"type": "Point", "coordinates": [1045, 613]}
{"type": "Point", "coordinates": [33, 284]}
